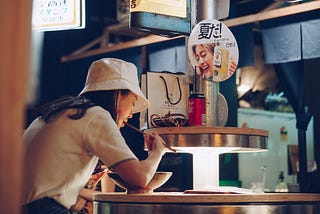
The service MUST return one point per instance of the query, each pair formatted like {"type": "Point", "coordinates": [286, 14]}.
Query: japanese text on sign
{"type": "Point", "coordinates": [209, 30]}
{"type": "Point", "coordinates": [56, 14]}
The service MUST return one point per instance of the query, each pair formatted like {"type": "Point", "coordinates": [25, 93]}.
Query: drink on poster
{"type": "Point", "coordinates": [213, 50]}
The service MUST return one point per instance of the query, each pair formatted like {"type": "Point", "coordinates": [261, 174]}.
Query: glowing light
{"type": "Point", "coordinates": [243, 88]}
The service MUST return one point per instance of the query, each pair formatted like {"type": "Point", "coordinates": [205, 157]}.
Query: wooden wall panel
{"type": "Point", "coordinates": [15, 32]}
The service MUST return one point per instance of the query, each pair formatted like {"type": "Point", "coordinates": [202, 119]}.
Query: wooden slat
{"type": "Point", "coordinates": [88, 46]}
{"type": "Point", "coordinates": [272, 14]}
{"type": "Point", "coordinates": [121, 46]}
{"type": "Point", "coordinates": [181, 198]}
{"type": "Point", "coordinates": [123, 29]}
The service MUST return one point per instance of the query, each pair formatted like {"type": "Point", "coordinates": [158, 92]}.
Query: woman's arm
{"type": "Point", "coordinates": [107, 185]}
{"type": "Point", "coordinates": [140, 173]}
{"type": "Point", "coordinates": [87, 193]}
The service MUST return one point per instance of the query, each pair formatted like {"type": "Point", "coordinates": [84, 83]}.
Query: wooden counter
{"type": "Point", "coordinates": [207, 203]}
{"type": "Point", "coordinates": [163, 197]}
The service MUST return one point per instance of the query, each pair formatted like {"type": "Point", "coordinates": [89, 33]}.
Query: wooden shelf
{"type": "Point", "coordinates": [142, 39]}
{"type": "Point", "coordinates": [275, 13]}
{"type": "Point", "coordinates": [120, 46]}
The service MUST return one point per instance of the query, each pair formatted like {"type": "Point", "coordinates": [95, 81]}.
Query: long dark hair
{"type": "Point", "coordinates": [105, 99]}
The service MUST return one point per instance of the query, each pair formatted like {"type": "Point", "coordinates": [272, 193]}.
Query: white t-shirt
{"type": "Point", "coordinates": [62, 154]}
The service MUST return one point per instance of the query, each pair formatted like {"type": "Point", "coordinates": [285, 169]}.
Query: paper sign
{"type": "Point", "coordinates": [213, 50]}
{"type": "Point", "coordinates": [52, 15]}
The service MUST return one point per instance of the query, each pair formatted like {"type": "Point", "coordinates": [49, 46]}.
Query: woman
{"type": "Point", "coordinates": [64, 144]}
{"type": "Point", "coordinates": [203, 54]}
{"type": "Point", "coordinates": [213, 64]}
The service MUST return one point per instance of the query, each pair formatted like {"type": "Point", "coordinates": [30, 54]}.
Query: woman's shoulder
{"type": "Point", "coordinates": [98, 112]}
{"type": "Point", "coordinates": [99, 122]}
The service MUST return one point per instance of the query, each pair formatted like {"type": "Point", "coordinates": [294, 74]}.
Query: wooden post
{"type": "Point", "coordinates": [15, 36]}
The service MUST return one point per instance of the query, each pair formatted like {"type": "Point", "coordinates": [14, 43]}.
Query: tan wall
{"type": "Point", "coordinates": [15, 29]}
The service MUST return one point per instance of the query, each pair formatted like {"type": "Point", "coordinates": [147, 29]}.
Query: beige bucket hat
{"type": "Point", "coordinates": [113, 74]}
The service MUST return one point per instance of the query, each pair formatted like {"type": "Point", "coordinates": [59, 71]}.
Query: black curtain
{"type": "Point", "coordinates": [291, 78]}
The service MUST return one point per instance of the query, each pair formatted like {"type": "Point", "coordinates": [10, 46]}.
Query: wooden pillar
{"type": "Point", "coordinates": [15, 35]}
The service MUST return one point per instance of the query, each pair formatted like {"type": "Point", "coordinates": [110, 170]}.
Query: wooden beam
{"type": "Point", "coordinates": [272, 14]}
{"type": "Point", "coordinates": [88, 46]}
{"type": "Point", "coordinates": [121, 46]}
{"type": "Point", "coordinates": [15, 21]}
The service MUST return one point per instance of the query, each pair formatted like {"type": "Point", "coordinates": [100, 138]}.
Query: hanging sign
{"type": "Point", "coordinates": [213, 50]}
{"type": "Point", "coordinates": [176, 8]}
{"type": "Point", "coordinates": [50, 15]}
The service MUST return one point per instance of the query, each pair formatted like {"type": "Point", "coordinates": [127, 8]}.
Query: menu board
{"type": "Point", "coordinates": [50, 15]}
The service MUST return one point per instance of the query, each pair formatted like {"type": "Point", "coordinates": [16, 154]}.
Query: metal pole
{"type": "Point", "coordinates": [206, 9]}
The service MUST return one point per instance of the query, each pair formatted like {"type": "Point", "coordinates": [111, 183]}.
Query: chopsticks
{"type": "Point", "coordinates": [141, 132]}
{"type": "Point", "coordinates": [135, 128]}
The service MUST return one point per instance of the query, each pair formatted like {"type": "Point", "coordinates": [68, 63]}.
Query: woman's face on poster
{"type": "Point", "coordinates": [204, 58]}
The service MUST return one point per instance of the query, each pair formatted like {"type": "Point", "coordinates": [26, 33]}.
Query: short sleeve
{"type": "Point", "coordinates": [103, 139]}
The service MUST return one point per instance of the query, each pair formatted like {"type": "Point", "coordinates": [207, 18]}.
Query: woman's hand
{"type": "Point", "coordinates": [155, 143]}
{"type": "Point", "coordinates": [139, 173]}
{"type": "Point", "coordinates": [232, 66]}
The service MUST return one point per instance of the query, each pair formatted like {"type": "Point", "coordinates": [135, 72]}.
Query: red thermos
{"type": "Point", "coordinates": [197, 109]}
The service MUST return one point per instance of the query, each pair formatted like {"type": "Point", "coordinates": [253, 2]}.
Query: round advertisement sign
{"type": "Point", "coordinates": [213, 50]}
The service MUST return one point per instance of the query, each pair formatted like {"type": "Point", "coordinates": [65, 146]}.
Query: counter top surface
{"type": "Point", "coordinates": [179, 197]}
{"type": "Point", "coordinates": [209, 130]}
{"type": "Point", "coordinates": [235, 138]}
